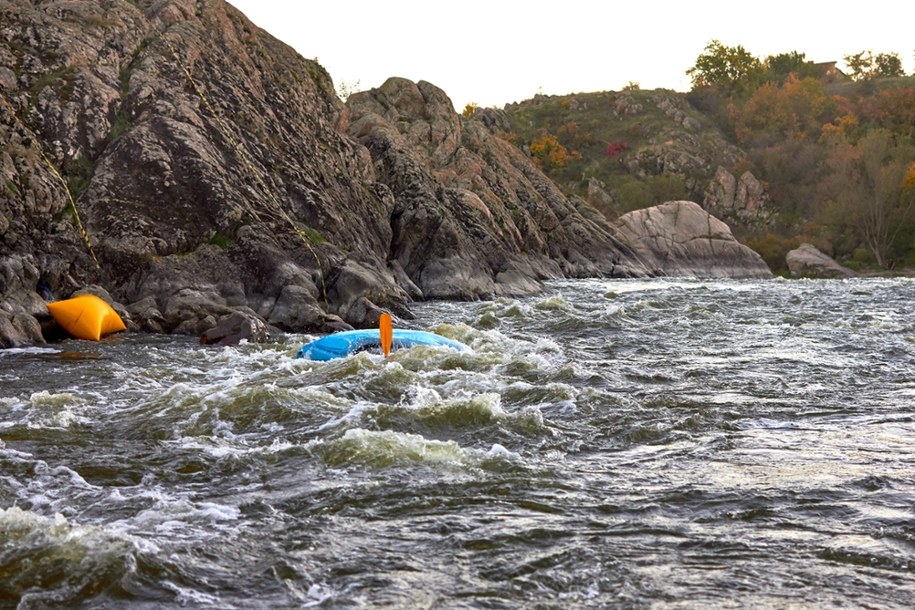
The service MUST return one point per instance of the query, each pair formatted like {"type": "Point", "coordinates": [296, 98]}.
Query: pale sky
{"type": "Point", "coordinates": [497, 52]}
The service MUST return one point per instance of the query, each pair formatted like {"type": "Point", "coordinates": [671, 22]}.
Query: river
{"type": "Point", "coordinates": [607, 444]}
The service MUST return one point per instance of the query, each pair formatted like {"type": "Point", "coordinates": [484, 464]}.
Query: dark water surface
{"type": "Point", "coordinates": [609, 444]}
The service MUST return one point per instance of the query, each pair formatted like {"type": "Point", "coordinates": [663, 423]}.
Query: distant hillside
{"type": "Point", "coordinates": [830, 162]}
{"type": "Point", "coordinates": [625, 150]}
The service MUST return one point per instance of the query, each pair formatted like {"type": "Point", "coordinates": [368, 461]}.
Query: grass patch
{"type": "Point", "coordinates": [221, 241]}
{"type": "Point", "coordinates": [60, 79]}
{"type": "Point", "coordinates": [313, 236]}
{"type": "Point", "coordinates": [78, 172]}
{"type": "Point", "coordinates": [121, 124]}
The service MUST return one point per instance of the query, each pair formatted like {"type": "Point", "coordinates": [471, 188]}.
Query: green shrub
{"type": "Point", "coordinates": [221, 241]}
{"type": "Point", "coordinates": [773, 249]}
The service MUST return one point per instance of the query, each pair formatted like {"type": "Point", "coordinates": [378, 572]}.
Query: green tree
{"type": "Point", "coordinates": [859, 65]}
{"type": "Point", "coordinates": [730, 68]}
{"type": "Point", "coordinates": [888, 65]}
{"type": "Point", "coordinates": [347, 89]}
{"type": "Point", "coordinates": [866, 65]}
{"type": "Point", "coordinates": [779, 67]}
{"type": "Point", "coordinates": [667, 187]}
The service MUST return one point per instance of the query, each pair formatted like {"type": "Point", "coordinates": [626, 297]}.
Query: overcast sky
{"type": "Point", "coordinates": [497, 52]}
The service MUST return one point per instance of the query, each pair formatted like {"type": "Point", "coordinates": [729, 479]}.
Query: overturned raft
{"type": "Point", "coordinates": [349, 342]}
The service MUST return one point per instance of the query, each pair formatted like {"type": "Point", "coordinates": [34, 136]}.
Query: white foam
{"type": "Point", "coordinates": [186, 596]}
{"type": "Point", "coordinates": [16, 351]}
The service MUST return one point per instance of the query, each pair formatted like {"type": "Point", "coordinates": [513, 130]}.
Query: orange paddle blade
{"type": "Point", "coordinates": [386, 328]}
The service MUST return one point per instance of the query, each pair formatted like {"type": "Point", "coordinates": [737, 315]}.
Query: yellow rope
{"type": "Point", "coordinates": [56, 173]}
{"type": "Point", "coordinates": [248, 164]}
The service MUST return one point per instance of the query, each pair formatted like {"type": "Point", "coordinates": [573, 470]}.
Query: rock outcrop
{"type": "Point", "coordinates": [743, 199]}
{"type": "Point", "coordinates": [627, 144]}
{"type": "Point", "coordinates": [808, 261]}
{"type": "Point", "coordinates": [214, 169]}
{"type": "Point", "coordinates": [472, 215]}
{"type": "Point", "coordinates": [679, 238]}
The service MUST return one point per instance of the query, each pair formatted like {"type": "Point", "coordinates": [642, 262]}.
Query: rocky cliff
{"type": "Point", "coordinates": [215, 170]}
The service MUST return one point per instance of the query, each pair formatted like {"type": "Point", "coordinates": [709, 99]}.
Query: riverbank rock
{"type": "Point", "coordinates": [20, 304]}
{"type": "Point", "coordinates": [808, 261]}
{"type": "Point", "coordinates": [234, 328]}
{"type": "Point", "coordinates": [679, 238]}
{"type": "Point", "coordinates": [214, 168]}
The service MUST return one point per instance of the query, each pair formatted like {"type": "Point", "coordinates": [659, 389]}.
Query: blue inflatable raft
{"type": "Point", "coordinates": [349, 342]}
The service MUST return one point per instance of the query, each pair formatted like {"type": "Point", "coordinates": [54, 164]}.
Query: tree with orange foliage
{"type": "Point", "coordinates": [470, 109]}
{"type": "Point", "coordinates": [796, 110]}
{"type": "Point", "coordinates": [908, 184]}
{"type": "Point", "coordinates": [548, 153]}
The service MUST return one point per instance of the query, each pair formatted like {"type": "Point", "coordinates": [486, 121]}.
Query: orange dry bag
{"type": "Point", "coordinates": [86, 317]}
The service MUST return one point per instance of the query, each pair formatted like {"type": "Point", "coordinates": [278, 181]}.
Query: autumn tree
{"type": "Point", "coordinates": [796, 110]}
{"type": "Point", "coordinates": [891, 108]}
{"type": "Point", "coordinates": [872, 179]}
{"type": "Point", "coordinates": [548, 153]}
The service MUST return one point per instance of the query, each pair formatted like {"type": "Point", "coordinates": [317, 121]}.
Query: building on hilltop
{"type": "Point", "coordinates": [829, 72]}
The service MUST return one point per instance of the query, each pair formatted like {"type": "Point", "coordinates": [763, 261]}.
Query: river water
{"type": "Point", "coordinates": [607, 444]}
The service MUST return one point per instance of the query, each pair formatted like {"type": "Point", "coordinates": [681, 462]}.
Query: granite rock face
{"type": "Point", "coordinates": [191, 165]}
{"type": "Point", "coordinates": [214, 169]}
{"type": "Point", "coordinates": [472, 215]}
{"type": "Point", "coordinates": [743, 199]}
{"type": "Point", "coordinates": [679, 238]}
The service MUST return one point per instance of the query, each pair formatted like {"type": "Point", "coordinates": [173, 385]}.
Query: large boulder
{"type": "Point", "coordinates": [679, 238]}
{"type": "Point", "coordinates": [808, 261]}
{"type": "Point", "coordinates": [235, 328]}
